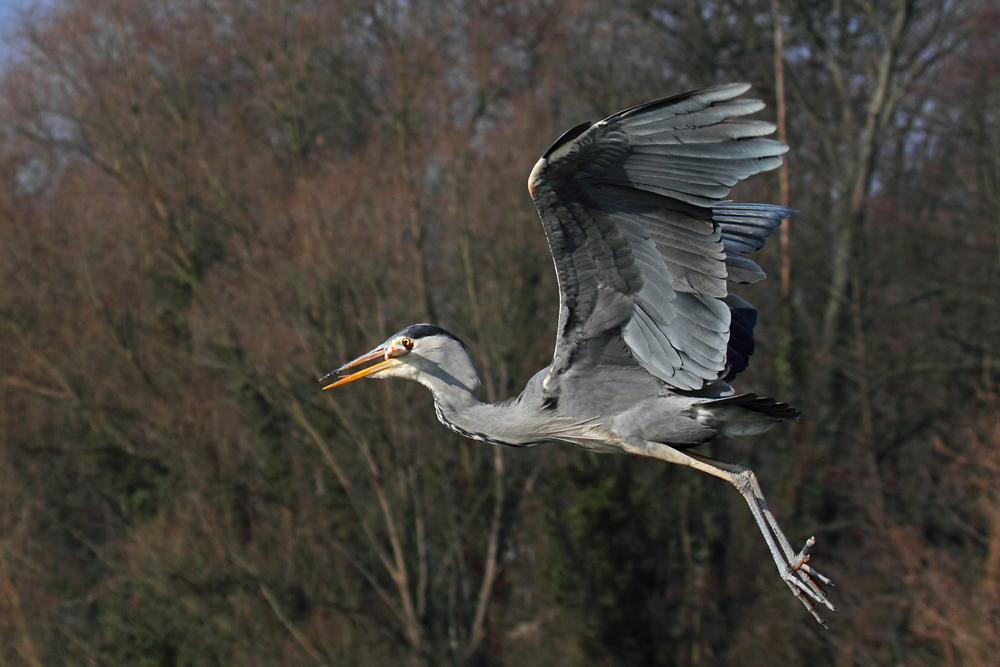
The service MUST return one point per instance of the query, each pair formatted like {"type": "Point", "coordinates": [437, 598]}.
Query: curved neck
{"type": "Point", "coordinates": [458, 408]}
{"type": "Point", "coordinates": [517, 422]}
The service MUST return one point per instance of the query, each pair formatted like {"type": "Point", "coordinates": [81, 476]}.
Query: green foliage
{"type": "Point", "coordinates": [635, 541]}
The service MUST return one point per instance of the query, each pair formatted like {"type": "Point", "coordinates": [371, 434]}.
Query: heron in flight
{"type": "Point", "coordinates": [648, 337]}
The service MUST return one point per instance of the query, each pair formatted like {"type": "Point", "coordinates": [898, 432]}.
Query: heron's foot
{"type": "Point", "coordinates": [801, 579]}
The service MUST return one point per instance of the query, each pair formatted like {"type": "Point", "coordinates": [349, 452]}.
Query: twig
{"type": "Point", "coordinates": [299, 637]}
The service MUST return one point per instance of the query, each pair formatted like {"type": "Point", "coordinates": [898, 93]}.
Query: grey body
{"type": "Point", "coordinates": [629, 410]}
{"type": "Point", "coordinates": [648, 336]}
{"type": "Point", "coordinates": [603, 407]}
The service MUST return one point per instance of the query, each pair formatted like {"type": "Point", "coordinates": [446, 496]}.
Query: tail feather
{"type": "Point", "coordinates": [748, 414]}
{"type": "Point", "coordinates": [768, 406]}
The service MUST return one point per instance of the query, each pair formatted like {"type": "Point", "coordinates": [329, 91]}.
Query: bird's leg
{"type": "Point", "coordinates": [796, 574]}
{"type": "Point", "coordinates": [796, 561]}
{"type": "Point", "coordinates": [792, 566]}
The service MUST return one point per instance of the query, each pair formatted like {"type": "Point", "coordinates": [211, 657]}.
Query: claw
{"type": "Point", "coordinates": [798, 576]}
{"type": "Point", "coordinates": [813, 573]}
{"type": "Point", "coordinates": [810, 590]}
{"type": "Point", "coordinates": [812, 593]}
{"type": "Point", "coordinates": [804, 583]}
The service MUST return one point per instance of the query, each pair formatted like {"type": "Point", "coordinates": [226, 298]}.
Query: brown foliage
{"type": "Point", "coordinates": [207, 205]}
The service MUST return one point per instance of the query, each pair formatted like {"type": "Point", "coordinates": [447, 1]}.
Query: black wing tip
{"type": "Point", "coordinates": [567, 136]}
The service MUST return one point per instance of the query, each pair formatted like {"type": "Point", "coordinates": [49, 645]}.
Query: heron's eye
{"type": "Point", "coordinates": [407, 343]}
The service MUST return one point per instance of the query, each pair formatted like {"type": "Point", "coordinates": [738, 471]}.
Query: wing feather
{"type": "Point", "coordinates": [643, 336]}
{"type": "Point", "coordinates": [643, 243]}
{"type": "Point", "coordinates": [704, 134]}
{"type": "Point", "coordinates": [672, 119]}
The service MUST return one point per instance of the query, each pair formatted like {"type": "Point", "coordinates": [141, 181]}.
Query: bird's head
{"type": "Point", "coordinates": [422, 352]}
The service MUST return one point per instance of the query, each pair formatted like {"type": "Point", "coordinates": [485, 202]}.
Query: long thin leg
{"type": "Point", "coordinates": [797, 561]}
{"type": "Point", "coordinates": [796, 574]}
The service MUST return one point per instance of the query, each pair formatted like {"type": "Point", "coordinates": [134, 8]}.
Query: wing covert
{"type": "Point", "coordinates": [643, 244]}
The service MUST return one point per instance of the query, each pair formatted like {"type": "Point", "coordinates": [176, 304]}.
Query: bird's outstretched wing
{"type": "Point", "coordinates": [643, 243]}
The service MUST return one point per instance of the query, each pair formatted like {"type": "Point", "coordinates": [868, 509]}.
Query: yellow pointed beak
{"type": "Point", "coordinates": [379, 353]}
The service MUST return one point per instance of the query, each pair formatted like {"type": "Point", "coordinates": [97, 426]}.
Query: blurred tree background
{"type": "Point", "coordinates": [207, 204]}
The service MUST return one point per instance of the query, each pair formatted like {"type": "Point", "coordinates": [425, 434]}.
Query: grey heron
{"type": "Point", "coordinates": [649, 336]}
